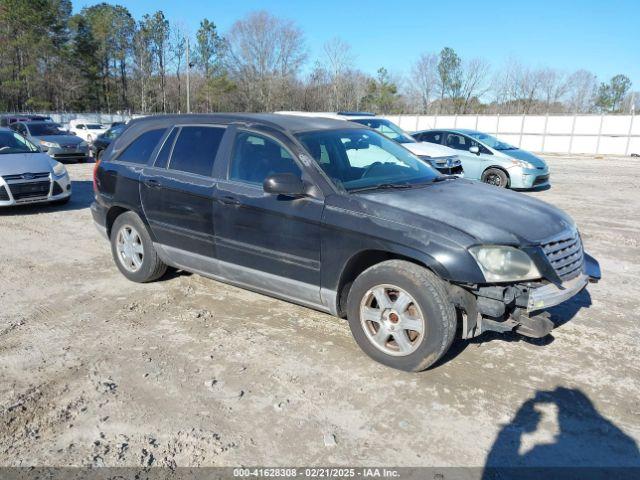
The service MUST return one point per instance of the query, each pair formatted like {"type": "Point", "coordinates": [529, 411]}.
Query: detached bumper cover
{"type": "Point", "coordinates": [551, 295]}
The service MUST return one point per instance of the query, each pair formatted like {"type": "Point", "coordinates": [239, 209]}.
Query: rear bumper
{"type": "Point", "coordinates": [99, 214]}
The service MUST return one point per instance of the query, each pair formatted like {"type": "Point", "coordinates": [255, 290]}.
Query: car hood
{"type": "Point", "coordinates": [429, 149]}
{"type": "Point", "coordinates": [526, 156]}
{"type": "Point", "coordinates": [15, 163]}
{"type": "Point", "coordinates": [60, 139]}
{"type": "Point", "coordinates": [489, 214]}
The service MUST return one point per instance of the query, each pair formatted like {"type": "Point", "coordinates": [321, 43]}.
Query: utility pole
{"type": "Point", "coordinates": [188, 80]}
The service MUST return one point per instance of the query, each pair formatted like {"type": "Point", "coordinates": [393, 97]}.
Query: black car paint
{"type": "Point", "coordinates": [316, 240]}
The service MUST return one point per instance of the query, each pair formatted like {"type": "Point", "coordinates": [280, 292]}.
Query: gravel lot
{"type": "Point", "coordinates": [95, 370]}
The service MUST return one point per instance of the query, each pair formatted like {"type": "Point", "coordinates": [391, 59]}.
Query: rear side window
{"type": "Point", "coordinates": [195, 149]}
{"type": "Point", "coordinates": [142, 147]}
{"type": "Point", "coordinates": [431, 137]}
{"type": "Point", "coordinates": [163, 156]}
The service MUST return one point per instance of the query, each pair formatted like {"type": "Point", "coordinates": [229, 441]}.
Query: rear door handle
{"type": "Point", "coordinates": [152, 183]}
{"type": "Point", "coordinates": [229, 200]}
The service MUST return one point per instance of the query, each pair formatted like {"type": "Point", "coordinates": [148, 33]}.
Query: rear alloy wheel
{"type": "Point", "coordinates": [133, 250]}
{"type": "Point", "coordinates": [495, 177]}
{"type": "Point", "coordinates": [401, 315]}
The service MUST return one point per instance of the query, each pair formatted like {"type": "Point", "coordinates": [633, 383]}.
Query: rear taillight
{"type": "Point", "coordinates": [95, 175]}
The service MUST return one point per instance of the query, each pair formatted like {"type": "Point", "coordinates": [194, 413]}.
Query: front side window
{"type": "Point", "coordinates": [11, 142]}
{"type": "Point", "coordinates": [362, 159]}
{"type": "Point", "coordinates": [195, 149]}
{"type": "Point", "coordinates": [142, 147]}
{"type": "Point", "coordinates": [95, 126]}
{"type": "Point", "coordinates": [386, 128]}
{"type": "Point", "coordinates": [255, 157]}
{"type": "Point", "coordinates": [492, 141]}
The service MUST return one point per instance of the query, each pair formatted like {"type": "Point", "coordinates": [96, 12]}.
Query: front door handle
{"type": "Point", "coordinates": [229, 200]}
{"type": "Point", "coordinates": [152, 183]}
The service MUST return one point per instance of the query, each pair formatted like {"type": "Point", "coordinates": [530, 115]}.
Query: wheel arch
{"type": "Point", "coordinates": [497, 167]}
{"type": "Point", "coordinates": [365, 259]}
{"type": "Point", "coordinates": [116, 210]}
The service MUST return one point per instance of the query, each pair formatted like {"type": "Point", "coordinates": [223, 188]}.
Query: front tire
{"type": "Point", "coordinates": [401, 315]}
{"type": "Point", "coordinates": [133, 251]}
{"type": "Point", "coordinates": [495, 177]}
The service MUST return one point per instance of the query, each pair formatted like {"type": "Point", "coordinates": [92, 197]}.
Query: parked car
{"type": "Point", "coordinates": [27, 175]}
{"type": "Point", "coordinates": [272, 203]}
{"type": "Point", "coordinates": [7, 120]}
{"type": "Point", "coordinates": [86, 130]}
{"type": "Point", "coordinates": [490, 160]}
{"type": "Point", "coordinates": [102, 141]}
{"type": "Point", "coordinates": [443, 159]}
{"type": "Point", "coordinates": [54, 140]}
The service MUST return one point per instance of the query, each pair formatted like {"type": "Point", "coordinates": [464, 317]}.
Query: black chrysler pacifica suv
{"type": "Point", "coordinates": [332, 215]}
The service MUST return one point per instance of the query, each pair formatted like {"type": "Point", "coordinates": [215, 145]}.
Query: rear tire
{"type": "Point", "coordinates": [401, 315]}
{"type": "Point", "coordinates": [495, 177]}
{"type": "Point", "coordinates": [133, 250]}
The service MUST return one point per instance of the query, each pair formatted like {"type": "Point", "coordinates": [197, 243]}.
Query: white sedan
{"type": "Point", "coordinates": [86, 130]}
{"type": "Point", "coordinates": [443, 159]}
{"type": "Point", "coordinates": [29, 176]}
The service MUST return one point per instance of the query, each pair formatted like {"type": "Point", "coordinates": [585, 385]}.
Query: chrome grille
{"type": "Point", "coordinates": [566, 255]}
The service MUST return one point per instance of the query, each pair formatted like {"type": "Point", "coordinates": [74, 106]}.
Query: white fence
{"type": "Point", "coordinates": [582, 134]}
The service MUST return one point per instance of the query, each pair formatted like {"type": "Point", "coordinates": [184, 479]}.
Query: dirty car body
{"type": "Point", "coordinates": [309, 226]}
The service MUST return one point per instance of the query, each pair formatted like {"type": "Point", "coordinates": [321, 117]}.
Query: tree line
{"type": "Point", "coordinates": [102, 59]}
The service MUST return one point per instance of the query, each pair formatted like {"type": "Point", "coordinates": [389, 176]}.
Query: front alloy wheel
{"type": "Point", "coordinates": [392, 320]}
{"type": "Point", "coordinates": [401, 315]}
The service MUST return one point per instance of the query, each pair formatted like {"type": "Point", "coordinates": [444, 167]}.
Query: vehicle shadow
{"type": "Point", "coordinates": [561, 428]}
{"type": "Point", "coordinates": [560, 315]}
{"type": "Point", "coordinates": [81, 198]}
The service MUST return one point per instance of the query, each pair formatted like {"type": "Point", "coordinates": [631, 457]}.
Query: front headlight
{"type": "Point", "coordinates": [49, 144]}
{"type": "Point", "coordinates": [504, 264]}
{"type": "Point", "coordinates": [523, 164]}
{"type": "Point", "coordinates": [83, 144]}
{"type": "Point", "coordinates": [59, 169]}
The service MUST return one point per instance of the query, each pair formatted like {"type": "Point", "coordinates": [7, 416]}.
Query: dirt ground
{"type": "Point", "coordinates": [96, 370]}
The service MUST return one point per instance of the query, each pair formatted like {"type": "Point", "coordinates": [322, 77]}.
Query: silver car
{"type": "Point", "coordinates": [53, 139]}
{"type": "Point", "coordinates": [490, 160]}
{"type": "Point", "coordinates": [27, 175]}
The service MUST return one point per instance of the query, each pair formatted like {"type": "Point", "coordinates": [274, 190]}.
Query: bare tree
{"type": "Point", "coordinates": [473, 85]}
{"type": "Point", "coordinates": [582, 86]}
{"type": "Point", "coordinates": [339, 58]}
{"type": "Point", "coordinates": [424, 79]}
{"type": "Point", "coordinates": [553, 86]}
{"type": "Point", "coordinates": [264, 57]}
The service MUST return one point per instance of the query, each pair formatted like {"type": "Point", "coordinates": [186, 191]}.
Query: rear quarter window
{"type": "Point", "coordinates": [142, 147]}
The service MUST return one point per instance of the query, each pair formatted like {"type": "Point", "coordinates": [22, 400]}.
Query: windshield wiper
{"type": "Point", "coordinates": [381, 186]}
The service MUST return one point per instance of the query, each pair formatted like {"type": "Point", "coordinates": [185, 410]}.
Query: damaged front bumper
{"type": "Point", "coordinates": [519, 307]}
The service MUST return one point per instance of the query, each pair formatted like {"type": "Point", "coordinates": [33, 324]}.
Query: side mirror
{"type": "Point", "coordinates": [475, 149]}
{"type": "Point", "coordinates": [284, 184]}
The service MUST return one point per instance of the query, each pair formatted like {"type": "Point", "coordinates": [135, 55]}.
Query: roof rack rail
{"type": "Point", "coordinates": [356, 114]}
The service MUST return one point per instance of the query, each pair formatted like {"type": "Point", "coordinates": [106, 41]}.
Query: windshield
{"type": "Point", "coordinates": [357, 159]}
{"type": "Point", "coordinates": [386, 128]}
{"type": "Point", "coordinates": [95, 126]}
{"type": "Point", "coordinates": [44, 129]}
{"type": "Point", "coordinates": [11, 142]}
{"type": "Point", "coordinates": [113, 132]}
{"type": "Point", "coordinates": [491, 141]}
